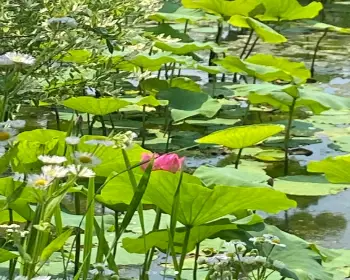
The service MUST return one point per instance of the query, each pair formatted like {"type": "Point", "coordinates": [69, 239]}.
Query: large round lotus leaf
{"type": "Point", "coordinates": [242, 136]}
{"type": "Point", "coordinates": [277, 10]}
{"type": "Point", "coordinates": [95, 106]}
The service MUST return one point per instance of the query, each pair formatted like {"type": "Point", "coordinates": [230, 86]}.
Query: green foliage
{"type": "Point", "coordinates": [242, 136]}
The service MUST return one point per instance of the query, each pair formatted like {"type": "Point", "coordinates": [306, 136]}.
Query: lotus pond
{"type": "Point", "coordinates": [193, 139]}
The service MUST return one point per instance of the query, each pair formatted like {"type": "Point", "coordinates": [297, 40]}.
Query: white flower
{"type": "Point", "coordinates": [41, 181]}
{"type": "Point", "coordinates": [17, 123]}
{"type": "Point", "coordinates": [5, 61]}
{"type": "Point", "coordinates": [235, 246]}
{"type": "Point", "coordinates": [81, 171]}
{"type": "Point", "coordinates": [20, 59]}
{"type": "Point", "coordinates": [52, 159]}
{"type": "Point", "coordinates": [18, 177]}
{"type": "Point", "coordinates": [274, 240]}
{"type": "Point", "coordinates": [260, 259]}
{"type": "Point", "coordinates": [124, 140]}
{"type": "Point", "coordinates": [7, 135]}
{"type": "Point", "coordinates": [278, 265]}
{"type": "Point", "coordinates": [257, 240]}
{"type": "Point", "coordinates": [72, 140]}
{"type": "Point", "coordinates": [247, 260]}
{"type": "Point", "coordinates": [54, 171]}
{"type": "Point", "coordinates": [89, 91]}
{"type": "Point", "coordinates": [219, 258]}
{"type": "Point", "coordinates": [63, 21]}
{"type": "Point", "coordinates": [106, 143]}
{"type": "Point", "coordinates": [86, 159]}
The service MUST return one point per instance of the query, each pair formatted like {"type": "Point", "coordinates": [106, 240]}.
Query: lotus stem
{"type": "Point", "coordinates": [312, 70]}
{"type": "Point", "coordinates": [57, 117]}
{"type": "Point", "coordinates": [287, 136]}
{"type": "Point", "coordinates": [104, 129]}
{"type": "Point", "coordinates": [184, 249]}
{"type": "Point", "coordinates": [213, 55]}
{"type": "Point", "coordinates": [185, 32]}
{"type": "Point", "coordinates": [195, 267]}
{"type": "Point", "coordinates": [143, 126]}
{"type": "Point", "coordinates": [247, 43]}
{"type": "Point", "coordinates": [243, 123]}
{"type": "Point", "coordinates": [252, 47]}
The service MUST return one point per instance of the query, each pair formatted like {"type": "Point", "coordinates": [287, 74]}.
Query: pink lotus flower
{"type": "Point", "coordinates": [168, 162]}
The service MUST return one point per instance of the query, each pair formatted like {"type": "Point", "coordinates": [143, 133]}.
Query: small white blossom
{"type": "Point", "coordinates": [219, 258]}
{"type": "Point", "coordinates": [235, 246]}
{"type": "Point", "coordinates": [249, 260]}
{"type": "Point", "coordinates": [274, 240]}
{"type": "Point", "coordinates": [86, 159]}
{"type": "Point", "coordinates": [63, 21]}
{"type": "Point", "coordinates": [52, 159]}
{"type": "Point", "coordinates": [7, 135]}
{"type": "Point", "coordinates": [81, 171]}
{"type": "Point", "coordinates": [17, 124]}
{"type": "Point", "coordinates": [18, 177]}
{"type": "Point", "coordinates": [20, 59]}
{"type": "Point", "coordinates": [278, 265]}
{"type": "Point", "coordinates": [72, 140]}
{"type": "Point", "coordinates": [54, 171]}
{"type": "Point", "coordinates": [260, 259]}
{"type": "Point", "coordinates": [124, 140]}
{"type": "Point", "coordinates": [5, 61]}
{"type": "Point", "coordinates": [89, 91]}
{"type": "Point", "coordinates": [257, 240]}
{"type": "Point", "coordinates": [106, 143]}
{"type": "Point", "coordinates": [39, 181]}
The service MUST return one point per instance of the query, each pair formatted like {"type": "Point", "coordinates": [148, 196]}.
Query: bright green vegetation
{"type": "Point", "coordinates": [100, 103]}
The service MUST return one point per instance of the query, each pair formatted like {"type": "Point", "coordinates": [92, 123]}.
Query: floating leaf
{"type": "Point", "coordinates": [242, 136]}
{"type": "Point", "coordinates": [223, 7]}
{"type": "Point", "coordinates": [230, 176]}
{"type": "Point", "coordinates": [95, 106]}
{"type": "Point", "coordinates": [184, 48]}
{"type": "Point", "coordinates": [197, 103]}
{"type": "Point", "coordinates": [185, 83]}
{"type": "Point", "coordinates": [336, 169]}
{"type": "Point", "coordinates": [180, 15]}
{"type": "Point", "coordinates": [265, 32]}
{"type": "Point", "coordinates": [277, 10]}
{"type": "Point", "coordinates": [307, 186]}
{"type": "Point", "coordinates": [329, 27]}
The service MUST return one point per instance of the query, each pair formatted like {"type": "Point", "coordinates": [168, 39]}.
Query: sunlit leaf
{"type": "Point", "coordinates": [96, 106]}
{"type": "Point", "coordinates": [180, 15]}
{"type": "Point", "coordinates": [77, 56]}
{"type": "Point", "coordinates": [277, 10]}
{"type": "Point", "coordinates": [329, 27]}
{"type": "Point", "coordinates": [266, 33]}
{"type": "Point", "coordinates": [223, 7]}
{"type": "Point", "coordinates": [335, 168]}
{"type": "Point", "coordinates": [307, 186]}
{"type": "Point", "coordinates": [151, 101]}
{"type": "Point", "coordinates": [6, 255]}
{"type": "Point", "coordinates": [241, 136]}
{"type": "Point", "coordinates": [219, 201]}
{"type": "Point", "coordinates": [184, 48]}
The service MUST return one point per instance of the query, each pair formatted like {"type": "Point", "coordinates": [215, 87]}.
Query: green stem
{"type": "Point", "coordinates": [196, 261]}
{"type": "Point", "coordinates": [312, 70]}
{"type": "Point", "coordinates": [243, 122]}
{"type": "Point", "coordinates": [252, 47]}
{"type": "Point", "coordinates": [57, 116]}
{"type": "Point", "coordinates": [143, 126]}
{"type": "Point", "coordinates": [247, 43]}
{"type": "Point", "coordinates": [287, 136]}
{"type": "Point", "coordinates": [77, 235]}
{"type": "Point", "coordinates": [104, 129]}
{"type": "Point", "coordinates": [4, 107]}
{"type": "Point", "coordinates": [184, 249]}
{"type": "Point", "coordinates": [116, 229]}
{"type": "Point", "coordinates": [213, 55]}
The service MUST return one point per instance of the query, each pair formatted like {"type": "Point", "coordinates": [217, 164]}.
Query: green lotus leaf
{"type": "Point", "coordinates": [336, 169]}
{"type": "Point", "coordinates": [76, 56]}
{"type": "Point", "coordinates": [329, 27]}
{"type": "Point", "coordinates": [265, 32]}
{"type": "Point", "coordinates": [309, 96]}
{"type": "Point", "coordinates": [297, 70]}
{"type": "Point", "coordinates": [168, 30]}
{"type": "Point", "coordinates": [197, 103]}
{"type": "Point", "coordinates": [230, 176]}
{"type": "Point", "coordinates": [7, 255]}
{"type": "Point", "coordinates": [199, 205]}
{"type": "Point", "coordinates": [151, 101]}
{"type": "Point", "coordinates": [185, 83]}
{"type": "Point", "coordinates": [180, 15]}
{"type": "Point", "coordinates": [111, 159]}
{"type": "Point", "coordinates": [223, 7]}
{"type": "Point", "coordinates": [152, 62]}
{"type": "Point", "coordinates": [279, 10]}
{"type": "Point", "coordinates": [183, 48]}
{"type": "Point", "coordinates": [241, 136]}
{"type": "Point", "coordinates": [307, 186]}
{"type": "Point", "coordinates": [95, 106]}
{"type": "Point", "coordinates": [160, 238]}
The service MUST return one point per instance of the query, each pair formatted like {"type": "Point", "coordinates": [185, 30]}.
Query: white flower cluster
{"type": "Point", "coordinates": [63, 22]}
{"type": "Point", "coordinates": [267, 238]}
{"type": "Point", "coordinates": [8, 132]}
{"type": "Point", "coordinates": [124, 140]}
{"type": "Point", "coordinates": [16, 58]}
{"type": "Point", "coordinates": [14, 230]}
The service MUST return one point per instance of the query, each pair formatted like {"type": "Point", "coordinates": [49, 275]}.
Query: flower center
{"type": "Point", "coordinates": [41, 182]}
{"type": "Point", "coordinates": [85, 159]}
{"type": "Point", "coordinates": [4, 136]}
